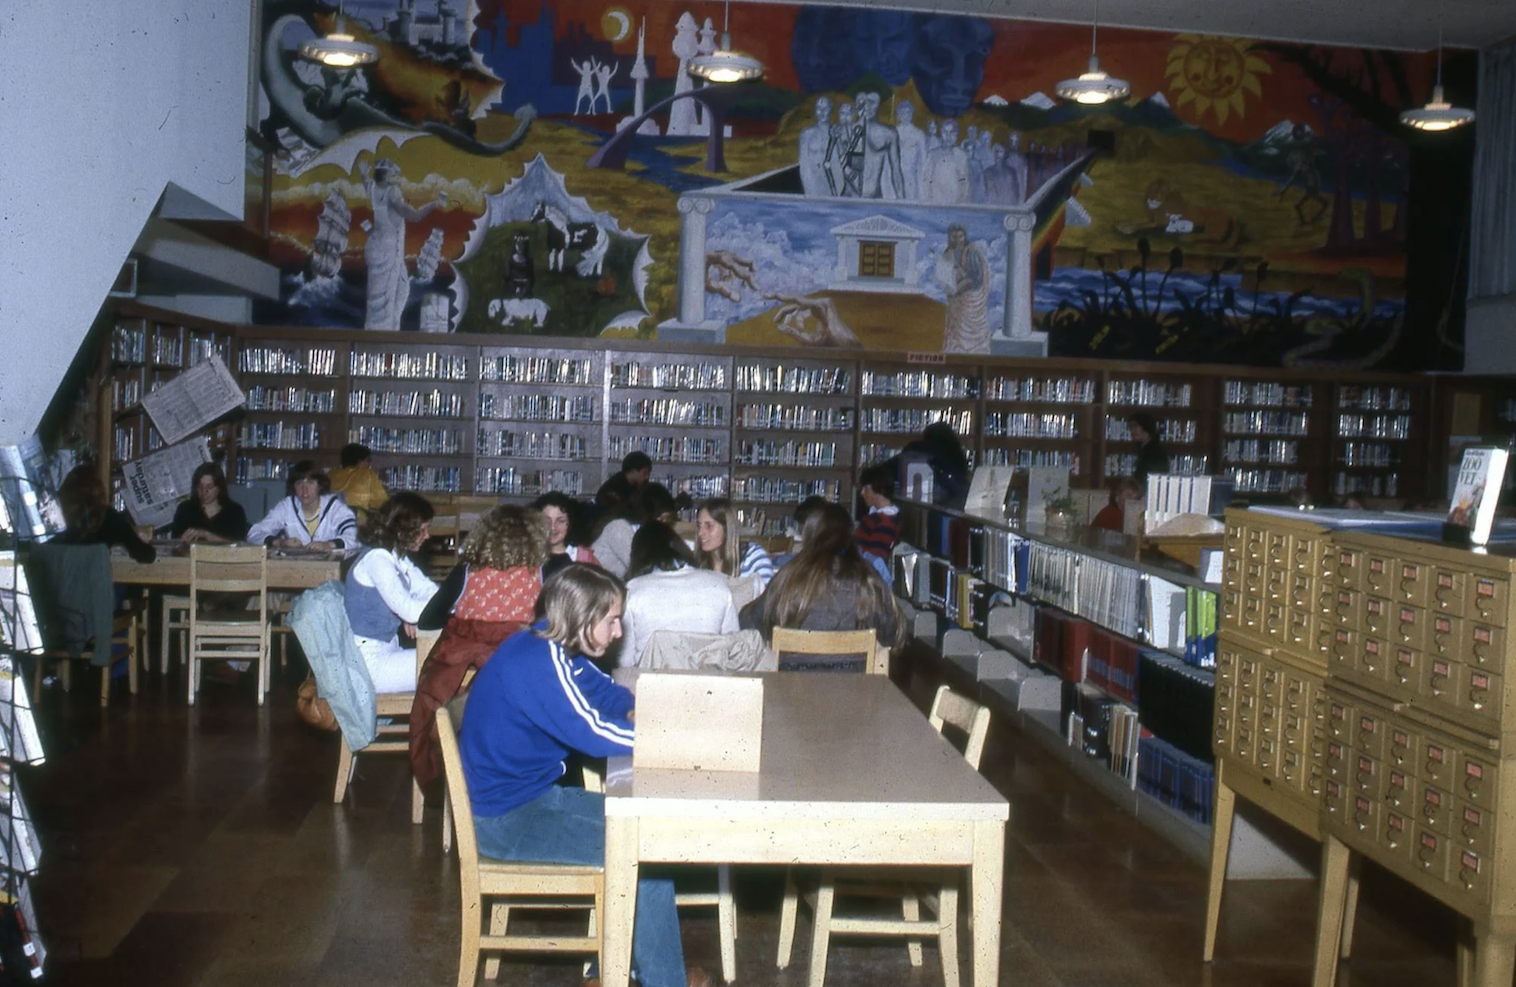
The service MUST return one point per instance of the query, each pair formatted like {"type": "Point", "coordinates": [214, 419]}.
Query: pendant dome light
{"type": "Point", "coordinates": [1094, 86]}
{"type": "Point", "coordinates": [339, 50]}
{"type": "Point", "coordinates": [1438, 115]}
{"type": "Point", "coordinates": [726, 64]}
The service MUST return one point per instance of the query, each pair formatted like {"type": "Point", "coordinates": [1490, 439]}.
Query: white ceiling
{"type": "Point", "coordinates": [1404, 24]}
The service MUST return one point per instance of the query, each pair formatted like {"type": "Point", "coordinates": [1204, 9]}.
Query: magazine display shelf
{"type": "Point", "coordinates": [22, 952]}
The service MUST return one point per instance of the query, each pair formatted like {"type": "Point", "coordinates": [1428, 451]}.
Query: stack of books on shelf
{"type": "Point", "coordinates": [1175, 778]}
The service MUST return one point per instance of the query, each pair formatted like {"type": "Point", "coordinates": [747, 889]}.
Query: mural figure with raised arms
{"type": "Point", "coordinates": [389, 285]}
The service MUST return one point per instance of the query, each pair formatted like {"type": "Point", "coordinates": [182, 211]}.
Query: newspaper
{"type": "Point", "coordinates": [193, 399]}
{"type": "Point", "coordinates": [156, 483]}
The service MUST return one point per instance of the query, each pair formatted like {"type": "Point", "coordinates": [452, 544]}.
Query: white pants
{"type": "Point", "coordinates": [391, 667]}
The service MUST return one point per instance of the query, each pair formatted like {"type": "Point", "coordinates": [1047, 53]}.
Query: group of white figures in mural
{"type": "Point", "coordinates": [857, 156]}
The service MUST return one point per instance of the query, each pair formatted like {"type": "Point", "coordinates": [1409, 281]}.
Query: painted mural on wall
{"type": "Point", "coordinates": [897, 181]}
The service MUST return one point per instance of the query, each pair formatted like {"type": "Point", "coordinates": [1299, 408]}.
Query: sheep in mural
{"type": "Point", "coordinates": [509, 310]}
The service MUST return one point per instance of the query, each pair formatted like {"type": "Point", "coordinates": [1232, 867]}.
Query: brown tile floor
{"type": "Point", "coordinates": [200, 847]}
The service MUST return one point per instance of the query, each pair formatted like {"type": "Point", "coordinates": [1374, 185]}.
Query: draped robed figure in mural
{"type": "Point", "coordinates": [389, 284]}
{"type": "Point", "coordinates": [963, 273]}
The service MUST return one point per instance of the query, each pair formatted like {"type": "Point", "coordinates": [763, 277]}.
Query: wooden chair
{"type": "Point", "coordinates": [174, 617]}
{"type": "Point", "coordinates": [865, 642]}
{"type": "Point", "coordinates": [510, 885]}
{"type": "Point", "coordinates": [72, 592]}
{"type": "Point", "coordinates": [394, 736]}
{"type": "Point", "coordinates": [973, 720]}
{"type": "Point", "coordinates": [123, 635]}
{"type": "Point", "coordinates": [442, 548]}
{"type": "Point", "coordinates": [228, 635]}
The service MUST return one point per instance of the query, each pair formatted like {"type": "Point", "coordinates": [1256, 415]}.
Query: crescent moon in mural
{"type": "Point", "coordinates": [616, 24]}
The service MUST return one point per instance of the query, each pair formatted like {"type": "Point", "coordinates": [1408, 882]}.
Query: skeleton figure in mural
{"type": "Point", "coordinates": [839, 153]}
{"type": "Point", "coordinates": [682, 118]}
{"type": "Point", "coordinates": [1302, 162]}
{"type": "Point", "coordinates": [814, 140]}
{"type": "Point", "coordinates": [946, 181]}
{"type": "Point", "coordinates": [725, 271]}
{"type": "Point", "coordinates": [603, 75]}
{"type": "Point", "coordinates": [389, 285]}
{"type": "Point", "coordinates": [586, 70]}
{"type": "Point", "coordinates": [881, 152]}
{"type": "Point", "coordinates": [963, 273]}
{"type": "Point", "coordinates": [913, 144]}
{"type": "Point", "coordinates": [813, 321]}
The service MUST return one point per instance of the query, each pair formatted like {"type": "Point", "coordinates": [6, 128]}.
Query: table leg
{"type": "Point", "coordinates": [620, 900]}
{"type": "Point", "coordinates": [1335, 861]}
{"type": "Point", "coordinates": [1494, 958]}
{"type": "Point", "coordinates": [1221, 845]}
{"type": "Point", "coordinates": [985, 882]}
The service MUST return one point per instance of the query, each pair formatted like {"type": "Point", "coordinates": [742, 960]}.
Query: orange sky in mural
{"type": "Point", "coordinates": [1028, 57]}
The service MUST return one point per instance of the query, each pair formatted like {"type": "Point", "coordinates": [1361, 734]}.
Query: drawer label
{"type": "Point", "coordinates": [1440, 669]}
{"type": "Point", "coordinates": [1434, 754]}
{"type": "Point", "coordinates": [1482, 634]}
{"type": "Point", "coordinates": [1375, 608]}
{"type": "Point", "coordinates": [1368, 724]}
{"type": "Point", "coordinates": [1401, 738]}
{"type": "Point", "coordinates": [1365, 765]}
{"type": "Point", "coordinates": [1376, 565]}
{"type": "Point", "coordinates": [1442, 625]}
{"type": "Point", "coordinates": [1474, 770]}
{"type": "Point", "coordinates": [1397, 780]}
{"type": "Point", "coordinates": [1471, 816]}
{"type": "Point", "coordinates": [1485, 587]}
{"type": "Point", "coordinates": [1429, 841]}
{"type": "Point", "coordinates": [1409, 572]}
{"type": "Point", "coordinates": [1433, 797]}
{"type": "Point", "coordinates": [1479, 681]}
{"type": "Point", "coordinates": [1371, 646]}
{"type": "Point", "coordinates": [1396, 823]}
{"type": "Point", "coordinates": [1470, 861]}
{"type": "Point", "coordinates": [1444, 580]}
{"type": "Point", "coordinates": [1407, 615]}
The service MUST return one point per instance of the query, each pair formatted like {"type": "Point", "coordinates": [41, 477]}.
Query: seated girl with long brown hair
{"type": "Point", "coordinates": [828, 586]}
{"type": "Point", "coordinates": [89, 518]}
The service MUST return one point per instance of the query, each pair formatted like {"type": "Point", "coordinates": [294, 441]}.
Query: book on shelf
{"type": "Point", "coordinates": [1477, 492]}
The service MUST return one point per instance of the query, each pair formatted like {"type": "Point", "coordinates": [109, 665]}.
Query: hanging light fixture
{"type": "Point", "coordinates": [726, 64]}
{"type": "Point", "coordinates": [1094, 86]}
{"type": "Point", "coordinates": [339, 50]}
{"type": "Point", "coordinates": [1438, 114]}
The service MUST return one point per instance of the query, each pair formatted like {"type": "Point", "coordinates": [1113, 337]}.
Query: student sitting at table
{"type": "Point", "coordinates": [310, 517]}
{"type": "Point", "coordinates": [652, 502]}
{"type": "Point", "coordinates": [89, 519]}
{"type": "Point", "coordinates": [538, 699]}
{"type": "Point", "coordinates": [717, 546]}
{"type": "Point", "coordinates": [827, 587]}
{"type": "Point", "coordinates": [356, 481]}
{"type": "Point", "coordinates": [666, 592]}
{"type": "Point", "coordinates": [490, 595]}
{"type": "Point", "coordinates": [385, 592]}
{"type": "Point", "coordinates": [209, 514]}
{"type": "Point", "coordinates": [560, 512]}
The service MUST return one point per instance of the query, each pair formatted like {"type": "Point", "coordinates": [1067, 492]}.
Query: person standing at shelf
{"type": "Point", "coordinates": [209, 514]}
{"type": "Point", "coordinates": [943, 451]}
{"type": "Point", "coordinates": [617, 492]}
{"type": "Point", "coordinates": [310, 517]}
{"type": "Point", "coordinates": [559, 510]}
{"type": "Point", "coordinates": [90, 520]}
{"type": "Point", "coordinates": [1151, 456]}
{"type": "Point", "coordinates": [880, 529]}
{"type": "Point", "coordinates": [356, 481]}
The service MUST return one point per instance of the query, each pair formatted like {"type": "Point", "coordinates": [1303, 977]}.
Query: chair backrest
{"type": "Point", "coordinates": [425, 642]}
{"type": "Point", "coordinates": [457, 793]}
{"type": "Point", "coordinates": [959, 711]}
{"type": "Point", "coordinates": [865, 642]}
{"type": "Point", "coordinates": [229, 569]}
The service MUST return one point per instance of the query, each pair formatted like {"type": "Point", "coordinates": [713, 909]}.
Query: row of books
{"type": "Point", "coordinates": [918, 384]}
{"type": "Point", "coordinates": [425, 441]}
{"type": "Point", "coordinates": [537, 407]}
{"type": "Point", "coordinates": [1179, 431]}
{"type": "Point", "coordinates": [667, 411]}
{"type": "Point", "coordinates": [783, 379]}
{"type": "Point", "coordinates": [766, 453]}
{"type": "Point", "coordinates": [1103, 592]}
{"type": "Point", "coordinates": [1048, 390]}
{"type": "Point", "coordinates": [415, 404]}
{"type": "Point", "coordinates": [1172, 494]}
{"type": "Point", "coordinates": [1176, 701]}
{"type": "Point", "coordinates": [669, 448]}
{"type": "Point", "coordinates": [1175, 778]}
{"type": "Point", "coordinates": [408, 366]}
{"type": "Point", "coordinates": [511, 369]}
{"type": "Point", "coordinates": [530, 445]}
{"type": "Point", "coordinates": [511, 482]}
{"type": "Point", "coordinates": [670, 376]}
{"type": "Point", "coordinates": [1202, 619]}
{"type": "Point", "coordinates": [1080, 652]}
{"type": "Point", "coordinates": [314, 361]}
{"type": "Point", "coordinates": [1267, 393]}
{"type": "Point", "coordinates": [789, 416]}
{"type": "Point", "coordinates": [298, 399]}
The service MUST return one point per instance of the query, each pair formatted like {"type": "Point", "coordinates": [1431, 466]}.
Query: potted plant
{"type": "Point", "coordinates": [1061, 509]}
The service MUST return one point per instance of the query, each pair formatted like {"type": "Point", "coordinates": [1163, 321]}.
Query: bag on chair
{"type": "Point", "coordinates": [311, 708]}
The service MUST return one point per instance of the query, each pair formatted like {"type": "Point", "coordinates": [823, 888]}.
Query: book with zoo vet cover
{"type": "Point", "coordinates": [1478, 491]}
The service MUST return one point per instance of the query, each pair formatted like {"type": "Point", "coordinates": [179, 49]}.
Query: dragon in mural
{"type": "Point", "coordinates": [343, 102]}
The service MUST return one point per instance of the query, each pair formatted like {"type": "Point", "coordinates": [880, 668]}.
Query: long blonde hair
{"type": "Point", "coordinates": [574, 598]}
{"type": "Point", "coordinates": [726, 558]}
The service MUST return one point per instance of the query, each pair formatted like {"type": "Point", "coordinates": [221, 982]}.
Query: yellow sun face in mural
{"type": "Point", "coordinates": [1215, 74]}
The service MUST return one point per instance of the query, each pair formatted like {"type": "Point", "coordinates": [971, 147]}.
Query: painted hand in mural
{"type": "Point", "coordinates": [724, 270]}
{"type": "Point", "coordinates": [813, 321]}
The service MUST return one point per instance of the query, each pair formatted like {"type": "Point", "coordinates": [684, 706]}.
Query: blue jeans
{"type": "Point", "coordinates": [567, 826]}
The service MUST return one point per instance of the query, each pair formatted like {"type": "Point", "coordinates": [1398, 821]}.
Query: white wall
{"type": "Point", "coordinates": [100, 107]}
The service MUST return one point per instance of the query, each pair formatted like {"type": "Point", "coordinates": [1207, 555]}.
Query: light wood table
{"type": "Point", "coordinates": [284, 572]}
{"type": "Point", "coordinates": [852, 773]}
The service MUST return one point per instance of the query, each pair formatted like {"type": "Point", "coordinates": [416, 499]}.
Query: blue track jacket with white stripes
{"type": "Point", "coordinates": [530, 705]}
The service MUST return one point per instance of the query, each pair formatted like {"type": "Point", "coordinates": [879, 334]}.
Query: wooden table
{"type": "Point", "coordinates": [852, 773]}
{"type": "Point", "coordinates": [290, 572]}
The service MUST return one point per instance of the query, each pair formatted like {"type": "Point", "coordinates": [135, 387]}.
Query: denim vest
{"type": "Point", "coordinates": [367, 612]}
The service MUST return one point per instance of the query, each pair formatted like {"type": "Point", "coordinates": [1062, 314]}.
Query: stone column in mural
{"type": "Point", "coordinates": [691, 323]}
{"type": "Point", "coordinates": [1015, 337]}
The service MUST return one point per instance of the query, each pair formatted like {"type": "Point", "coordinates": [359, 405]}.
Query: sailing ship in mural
{"type": "Point", "coordinates": [1238, 208]}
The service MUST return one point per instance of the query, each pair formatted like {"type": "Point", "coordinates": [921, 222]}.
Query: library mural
{"type": "Point", "coordinates": [896, 181]}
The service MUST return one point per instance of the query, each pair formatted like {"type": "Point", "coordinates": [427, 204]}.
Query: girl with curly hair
{"type": "Point", "coordinates": [386, 592]}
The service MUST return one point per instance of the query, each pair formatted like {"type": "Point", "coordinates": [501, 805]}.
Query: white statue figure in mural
{"type": "Point", "coordinates": [603, 75]}
{"type": "Point", "coordinates": [839, 160]}
{"type": "Point", "coordinates": [682, 118]}
{"type": "Point", "coordinates": [586, 70]}
{"type": "Point", "coordinates": [997, 179]}
{"type": "Point", "coordinates": [389, 285]}
{"type": "Point", "coordinates": [912, 149]}
{"type": "Point", "coordinates": [1016, 170]}
{"type": "Point", "coordinates": [932, 140]}
{"type": "Point", "coordinates": [707, 47]}
{"type": "Point", "coordinates": [814, 139]}
{"type": "Point", "coordinates": [964, 275]}
{"type": "Point", "coordinates": [881, 152]}
{"type": "Point", "coordinates": [946, 181]}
